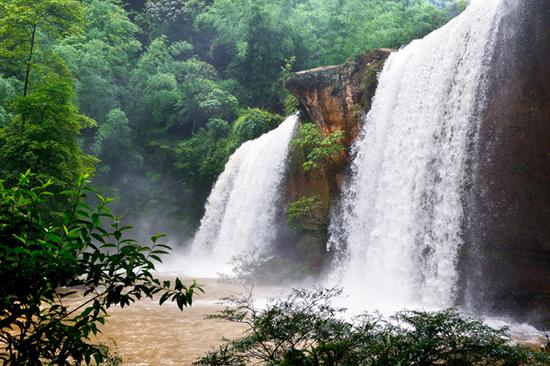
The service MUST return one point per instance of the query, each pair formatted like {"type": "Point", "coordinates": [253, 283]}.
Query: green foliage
{"type": "Point", "coordinates": [253, 123]}
{"type": "Point", "coordinates": [40, 127]}
{"type": "Point", "coordinates": [113, 143]}
{"type": "Point", "coordinates": [174, 18]}
{"type": "Point", "coordinates": [317, 149]}
{"type": "Point", "coordinates": [43, 135]}
{"type": "Point", "coordinates": [174, 98]}
{"type": "Point", "coordinates": [258, 40]}
{"type": "Point", "coordinates": [100, 57]}
{"type": "Point", "coordinates": [43, 262]}
{"type": "Point", "coordinates": [306, 214]}
{"type": "Point", "coordinates": [8, 92]}
{"type": "Point", "coordinates": [201, 158]}
{"type": "Point", "coordinates": [28, 27]}
{"type": "Point", "coordinates": [305, 329]}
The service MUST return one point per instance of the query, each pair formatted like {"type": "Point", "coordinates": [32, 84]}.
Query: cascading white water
{"type": "Point", "coordinates": [401, 214]}
{"type": "Point", "coordinates": [242, 206]}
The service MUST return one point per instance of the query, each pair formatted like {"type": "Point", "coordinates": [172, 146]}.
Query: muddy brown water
{"type": "Point", "coordinates": [148, 334]}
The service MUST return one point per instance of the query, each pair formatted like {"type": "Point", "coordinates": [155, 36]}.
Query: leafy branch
{"type": "Point", "coordinates": [44, 261]}
{"type": "Point", "coordinates": [318, 149]}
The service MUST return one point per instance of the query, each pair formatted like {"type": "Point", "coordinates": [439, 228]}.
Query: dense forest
{"type": "Point", "coordinates": [152, 97]}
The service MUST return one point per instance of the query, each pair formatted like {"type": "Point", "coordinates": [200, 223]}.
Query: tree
{"type": "Point", "coordinates": [182, 95]}
{"type": "Point", "coordinates": [256, 41]}
{"type": "Point", "coordinates": [8, 91]}
{"type": "Point", "coordinates": [101, 57]}
{"type": "Point", "coordinates": [113, 144]}
{"type": "Point", "coordinates": [44, 124]}
{"type": "Point", "coordinates": [175, 18]}
{"type": "Point", "coordinates": [43, 134]}
{"type": "Point", "coordinates": [201, 159]}
{"type": "Point", "coordinates": [306, 214]}
{"type": "Point", "coordinates": [251, 124]}
{"type": "Point", "coordinates": [43, 262]}
{"type": "Point", "coordinates": [23, 22]}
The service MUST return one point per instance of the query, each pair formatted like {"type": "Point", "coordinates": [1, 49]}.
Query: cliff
{"type": "Point", "coordinates": [507, 266]}
{"type": "Point", "coordinates": [335, 99]}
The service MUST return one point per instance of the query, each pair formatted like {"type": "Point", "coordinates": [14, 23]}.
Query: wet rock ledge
{"type": "Point", "coordinates": [335, 97]}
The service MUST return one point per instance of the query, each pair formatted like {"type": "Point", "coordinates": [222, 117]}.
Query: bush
{"type": "Point", "coordinates": [201, 158]}
{"type": "Point", "coordinates": [252, 124]}
{"type": "Point", "coordinates": [319, 151]}
{"type": "Point", "coordinates": [43, 261]}
{"type": "Point", "coordinates": [305, 329]}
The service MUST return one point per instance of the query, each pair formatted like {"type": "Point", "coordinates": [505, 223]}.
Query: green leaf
{"type": "Point", "coordinates": [179, 285]}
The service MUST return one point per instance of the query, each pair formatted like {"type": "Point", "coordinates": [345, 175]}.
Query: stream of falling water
{"type": "Point", "coordinates": [401, 214]}
{"type": "Point", "coordinates": [241, 210]}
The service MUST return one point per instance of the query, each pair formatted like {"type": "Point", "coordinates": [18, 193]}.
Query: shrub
{"type": "Point", "coordinates": [318, 150]}
{"type": "Point", "coordinates": [258, 266]}
{"type": "Point", "coordinates": [252, 124]}
{"type": "Point", "coordinates": [306, 214]}
{"type": "Point", "coordinates": [43, 261]}
{"type": "Point", "coordinates": [305, 329]}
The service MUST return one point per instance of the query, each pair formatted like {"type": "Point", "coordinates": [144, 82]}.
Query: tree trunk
{"type": "Point", "coordinates": [29, 62]}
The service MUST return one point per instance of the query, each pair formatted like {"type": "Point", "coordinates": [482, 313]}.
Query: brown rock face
{"type": "Point", "coordinates": [335, 97]}
{"type": "Point", "coordinates": [507, 263]}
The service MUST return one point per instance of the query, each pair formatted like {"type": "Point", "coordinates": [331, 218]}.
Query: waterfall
{"type": "Point", "coordinates": [401, 214]}
{"type": "Point", "coordinates": [243, 204]}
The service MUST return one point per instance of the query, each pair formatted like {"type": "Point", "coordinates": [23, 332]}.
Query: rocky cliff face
{"type": "Point", "coordinates": [507, 263]}
{"type": "Point", "coordinates": [335, 99]}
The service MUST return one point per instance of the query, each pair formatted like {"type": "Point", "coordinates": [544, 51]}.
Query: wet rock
{"type": "Point", "coordinates": [507, 265]}
{"type": "Point", "coordinates": [335, 97]}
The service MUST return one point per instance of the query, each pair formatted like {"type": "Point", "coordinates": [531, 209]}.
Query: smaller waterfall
{"type": "Point", "coordinates": [243, 204]}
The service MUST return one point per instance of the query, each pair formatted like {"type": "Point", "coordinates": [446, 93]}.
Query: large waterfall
{"type": "Point", "coordinates": [401, 216]}
{"type": "Point", "coordinates": [242, 207]}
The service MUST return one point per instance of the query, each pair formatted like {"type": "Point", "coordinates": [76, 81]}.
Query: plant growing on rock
{"type": "Point", "coordinates": [44, 260]}
{"type": "Point", "coordinates": [305, 214]}
{"type": "Point", "coordinates": [319, 151]}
